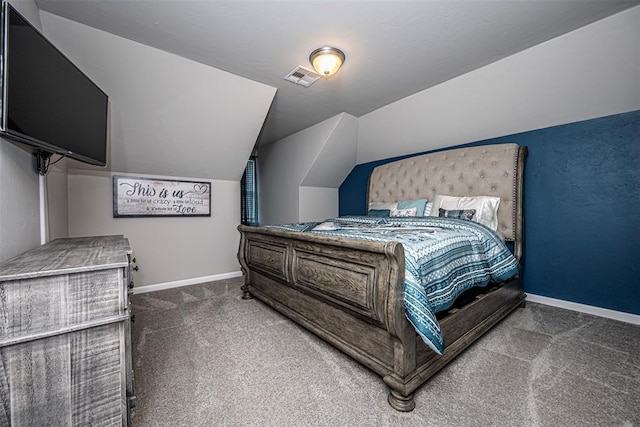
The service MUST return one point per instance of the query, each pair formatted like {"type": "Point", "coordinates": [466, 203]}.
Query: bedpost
{"type": "Point", "coordinates": [518, 245]}
{"type": "Point", "coordinates": [245, 292]}
{"type": "Point", "coordinates": [243, 265]}
{"type": "Point", "coordinates": [404, 336]}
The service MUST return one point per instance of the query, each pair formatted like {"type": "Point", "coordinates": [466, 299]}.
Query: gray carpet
{"type": "Point", "coordinates": [204, 357]}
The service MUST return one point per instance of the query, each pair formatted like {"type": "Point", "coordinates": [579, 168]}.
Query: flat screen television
{"type": "Point", "coordinates": [47, 102]}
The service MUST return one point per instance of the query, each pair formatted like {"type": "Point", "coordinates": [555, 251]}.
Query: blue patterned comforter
{"type": "Point", "coordinates": [443, 258]}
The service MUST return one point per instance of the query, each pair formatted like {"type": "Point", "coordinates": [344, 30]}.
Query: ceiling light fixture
{"type": "Point", "coordinates": [327, 60]}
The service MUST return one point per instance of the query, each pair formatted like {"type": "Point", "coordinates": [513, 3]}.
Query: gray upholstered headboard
{"type": "Point", "coordinates": [489, 170]}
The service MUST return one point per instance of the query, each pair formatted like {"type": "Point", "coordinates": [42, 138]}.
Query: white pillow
{"type": "Point", "coordinates": [428, 208]}
{"type": "Point", "coordinates": [486, 207]}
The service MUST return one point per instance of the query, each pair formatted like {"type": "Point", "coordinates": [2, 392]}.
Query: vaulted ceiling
{"type": "Point", "coordinates": [393, 48]}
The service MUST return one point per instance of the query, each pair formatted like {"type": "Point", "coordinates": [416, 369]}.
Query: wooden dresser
{"type": "Point", "coordinates": [65, 340]}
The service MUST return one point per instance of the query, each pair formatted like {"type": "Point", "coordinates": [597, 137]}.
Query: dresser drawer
{"type": "Point", "coordinates": [41, 304]}
{"type": "Point", "coordinates": [75, 377]}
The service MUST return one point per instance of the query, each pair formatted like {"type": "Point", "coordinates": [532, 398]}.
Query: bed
{"type": "Point", "coordinates": [351, 292]}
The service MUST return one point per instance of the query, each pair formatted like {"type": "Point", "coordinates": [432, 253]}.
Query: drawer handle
{"type": "Point", "coordinates": [135, 268]}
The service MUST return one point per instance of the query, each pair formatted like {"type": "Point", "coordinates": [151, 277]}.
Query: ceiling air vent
{"type": "Point", "coordinates": [302, 76]}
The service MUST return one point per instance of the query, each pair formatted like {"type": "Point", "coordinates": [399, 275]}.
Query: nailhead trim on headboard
{"type": "Point", "coordinates": [514, 193]}
{"type": "Point", "coordinates": [488, 170]}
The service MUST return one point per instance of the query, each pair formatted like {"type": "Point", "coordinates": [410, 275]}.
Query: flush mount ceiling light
{"type": "Point", "coordinates": [327, 60]}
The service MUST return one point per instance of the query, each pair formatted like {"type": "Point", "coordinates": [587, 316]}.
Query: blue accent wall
{"type": "Point", "coordinates": [582, 192]}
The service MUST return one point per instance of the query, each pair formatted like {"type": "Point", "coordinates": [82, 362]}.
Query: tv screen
{"type": "Point", "coordinates": [48, 102]}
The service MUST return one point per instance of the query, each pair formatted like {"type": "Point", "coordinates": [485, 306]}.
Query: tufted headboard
{"type": "Point", "coordinates": [488, 170]}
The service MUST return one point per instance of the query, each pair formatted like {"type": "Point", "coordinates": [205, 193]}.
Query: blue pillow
{"type": "Point", "coordinates": [379, 212]}
{"type": "Point", "coordinates": [419, 204]}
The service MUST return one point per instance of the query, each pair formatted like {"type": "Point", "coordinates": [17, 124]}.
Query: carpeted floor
{"type": "Point", "coordinates": [204, 357]}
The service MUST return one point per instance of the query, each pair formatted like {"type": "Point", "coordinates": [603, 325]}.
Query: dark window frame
{"type": "Point", "coordinates": [249, 193]}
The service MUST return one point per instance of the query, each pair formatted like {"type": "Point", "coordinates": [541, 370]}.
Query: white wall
{"type": "Point", "coordinates": [20, 207]}
{"type": "Point", "coordinates": [166, 249]}
{"type": "Point", "coordinates": [337, 156]}
{"type": "Point", "coordinates": [19, 188]}
{"type": "Point", "coordinates": [283, 166]}
{"type": "Point", "coordinates": [306, 164]}
{"type": "Point", "coordinates": [317, 203]}
{"type": "Point", "coordinates": [588, 73]}
{"type": "Point", "coordinates": [57, 198]}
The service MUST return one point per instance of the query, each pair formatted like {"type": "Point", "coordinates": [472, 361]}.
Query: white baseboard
{"type": "Point", "coordinates": [583, 308]}
{"type": "Point", "coordinates": [185, 282]}
{"type": "Point", "coordinates": [574, 306]}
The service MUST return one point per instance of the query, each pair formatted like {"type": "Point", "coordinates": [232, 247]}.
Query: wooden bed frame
{"type": "Point", "coordinates": [350, 292]}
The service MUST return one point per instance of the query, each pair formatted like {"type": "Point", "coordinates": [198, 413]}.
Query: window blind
{"type": "Point", "coordinates": [249, 194]}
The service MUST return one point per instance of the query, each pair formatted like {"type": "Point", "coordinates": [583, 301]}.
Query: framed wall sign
{"type": "Point", "coordinates": [143, 197]}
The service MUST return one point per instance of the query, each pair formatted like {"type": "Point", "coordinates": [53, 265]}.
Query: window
{"type": "Point", "coordinates": [249, 194]}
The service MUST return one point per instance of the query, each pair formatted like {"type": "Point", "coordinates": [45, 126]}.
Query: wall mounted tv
{"type": "Point", "coordinates": [47, 102]}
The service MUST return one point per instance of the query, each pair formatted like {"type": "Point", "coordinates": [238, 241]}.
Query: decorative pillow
{"type": "Point", "coordinates": [404, 212]}
{"type": "Point", "coordinates": [486, 207]}
{"type": "Point", "coordinates": [466, 214]}
{"type": "Point", "coordinates": [418, 204]}
{"type": "Point", "coordinates": [428, 208]}
{"type": "Point", "coordinates": [379, 212]}
{"type": "Point", "coordinates": [382, 205]}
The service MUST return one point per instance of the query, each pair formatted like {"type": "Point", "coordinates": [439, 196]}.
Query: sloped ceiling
{"type": "Point", "coordinates": [393, 48]}
{"type": "Point", "coordinates": [169, 116]}
{"type": "Point", "coordinates": [337, 156]}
